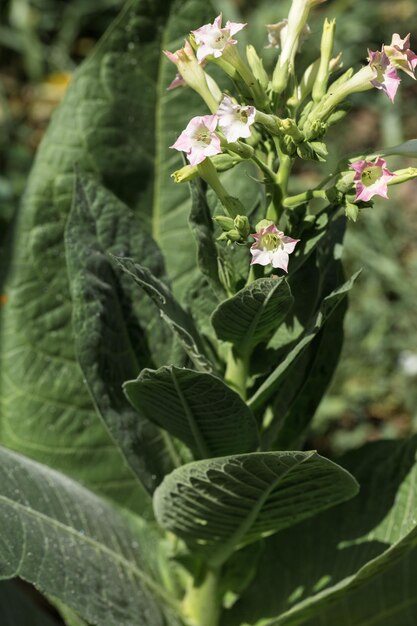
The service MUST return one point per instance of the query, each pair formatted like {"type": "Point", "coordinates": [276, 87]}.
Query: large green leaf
{"type": "Point", "coordinates": [72, 545]}
{"type": "Point", "coordinates": [221, 504]}
{"type": "Point", "coordinates": [358, 560]}
{"type": "Point", "coordinates": [197, 408]}
{"type": "Point", "coordinates": [116, 120]}
{"type": "Point", "coordinates": [252, 315]}
{"type": "Point", "coordinates": [18, 608]}
{"type": "Point", "coordinates": [110, 345]}
{"type": "Point", "coordinates": [179, 320]}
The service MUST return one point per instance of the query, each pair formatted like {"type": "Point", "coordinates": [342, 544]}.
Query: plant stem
{"type": "Point", "coordinates": [237, 372]}
{"type": "Point", "coordinates": [201, 604]}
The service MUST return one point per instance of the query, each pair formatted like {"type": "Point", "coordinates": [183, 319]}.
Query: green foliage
{"type": "Point", "coordinates": [221, 504]}
{"type": "Point", "coordinates": [109, 341]}
{"type": "Point", "coordinates": [110, 564]}
{"type": "Point", "coordinates": [358, 558]}
{"type": "Point", "coordinates": [197, 408]}
{"type": "Point", "coordinates": [253, 314]}
{"type": "Point", "coordinates": [132, 336]}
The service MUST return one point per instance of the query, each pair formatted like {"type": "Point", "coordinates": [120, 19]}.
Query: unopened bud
{"type": "Point", "coordinates": [241, 223]}
{"type": "Point", "coordinates": [185, 174]}
{"type": "Point", "coordinates": [257, 66]}
{"type": "Point", "coordinates": [326, 49]}
{"type": "Point", "coordinates": [225, 223]}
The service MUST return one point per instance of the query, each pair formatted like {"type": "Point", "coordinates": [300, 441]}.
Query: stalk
{"type": "Point", "coordinates": [237, 372]}
{"type": "Point", "coordinates": [201, 604]}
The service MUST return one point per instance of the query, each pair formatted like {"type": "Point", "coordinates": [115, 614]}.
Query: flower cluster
{"type": "Point", "coordinates": [219, 140]}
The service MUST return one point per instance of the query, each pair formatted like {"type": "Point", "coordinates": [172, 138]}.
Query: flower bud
{"type": "Point", "coordinates": [241, 223]}
{"type": "Point", "coordinates": [225, 223]}
{"type": "Point", "coordinates": [326, 49]}
{"type": "Point", "coordinates": [185, 174]}
{"type": "Point", "coordinates": [257, 66]}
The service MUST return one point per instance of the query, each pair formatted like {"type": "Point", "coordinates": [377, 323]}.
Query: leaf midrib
{"type": "Point", "coordinates": [201, 445]}
{"type": "Point", "coordinates": [246, 343]}
{"type": "Point", "coordinates": [226, 549]}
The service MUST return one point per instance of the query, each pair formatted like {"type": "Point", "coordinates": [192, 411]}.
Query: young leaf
{"type": "Point", "coordinates": [253, 314]}
{"type": "Point", "coordinates": [109, 344]}
{"type": "Point", "coordinates": [273, 381]}
{"type": "Point", "coordinates": [221, 504]}
{"type": "Point", "coordinates": [181, 323]}
{"type": "Point", "coordinates": [358, 558]}
{"type": "Point", "coordinates": [197, 408]}
{"type": "Point", "coordinates": [299, 396]}
{"type": "Point", "coordinates": [72, 545]}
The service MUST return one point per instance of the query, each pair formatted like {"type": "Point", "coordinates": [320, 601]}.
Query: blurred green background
{"type": "Point", "coordinates": [374, 393]}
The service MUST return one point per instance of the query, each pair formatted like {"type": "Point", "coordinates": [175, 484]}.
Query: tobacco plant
{"type": "Point", "coordinates": [172, 317]}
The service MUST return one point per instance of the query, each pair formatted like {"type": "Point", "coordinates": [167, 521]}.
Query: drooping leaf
{"type": "Point", "coordinates": [72, 545]}
{"type": "Point", "coordinates": [17, 608]}
{"type": "Point", "coordinates": [221, 504]}
{"type": "Point", "coordinates": [110, 345]}
{"type": "Point", "coordinates": [181, 323]}
{"type": "Point", "coordinates": [197, 408]}
{"type": "Point", "coordinates": [358, 559]}
{"type": "Point", "coordinates": [252, 315]}
{"type": "Point", "coordinates": [329, 304]}
{"type": "Point", "coordinates": [117, 120]}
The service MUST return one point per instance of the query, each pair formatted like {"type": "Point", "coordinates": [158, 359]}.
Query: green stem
{"type": "Point", "coordinates": [300, 198]}
{"type": "Point", "coordinates": [201, 604]}
{"type": "Point", "coordinates": [237, 372]}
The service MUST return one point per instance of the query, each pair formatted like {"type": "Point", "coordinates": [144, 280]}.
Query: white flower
{"type": "Point", "coordinates": [235, 120]}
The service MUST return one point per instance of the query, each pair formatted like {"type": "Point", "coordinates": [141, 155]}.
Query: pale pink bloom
{"type": "Point", "coordinates": [400, 55]}
{"type": "Point", "coordinates": [371, 178]}
{"type": "Point", "coordinates": [272, 247]}
{"type": "Point", "coordinates": [386, 76]}
{"type": "Point", "coordinates": [199, 140]}
{"type": "Point", "coordinates": [212, 39]}
{"type": "Point", "coordinates": [235, 120]}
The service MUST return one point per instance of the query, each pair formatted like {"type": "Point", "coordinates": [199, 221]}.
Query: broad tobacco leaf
{"type": "Point", "coordinates": [196, 407]}
{"type": "Point", "coordinates": [218, 505]}
{"type": "Point", "coordinates": [117, 120]}
{"type": "Point", "coordinates": [111, 345]}
{"type": "Point", "coordinates": [352, 565]}
{"type": "Point", "coordinates": [72, 545]}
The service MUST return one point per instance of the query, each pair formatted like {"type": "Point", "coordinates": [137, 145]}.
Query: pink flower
{"type": "Point", "coordinates": [400, 55]}
{"type": "Point", "coordinates": [272, 246]}
{"type": "Point", "coordinates": [371, 178]}
{"type": "Point", "coordinates": [235, 120]}
{"type": "Point", "coordinates": [199, 140]}
{"type": "Point", "coordinates": [386, 77]}
{"type": "Point", "coordinates": [213, 39]}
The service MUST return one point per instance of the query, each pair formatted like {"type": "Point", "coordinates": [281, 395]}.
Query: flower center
{"type": "Point", "coordinates": [203, 135]}
{"type": "Point", "coordinates": [243, 116]}
{"type": "Point", "coordinates": [220, 39]}
{"type": "Point", "coordinates": [270, 242]}
{"type": "Point", "coordinates": [370, 175]}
